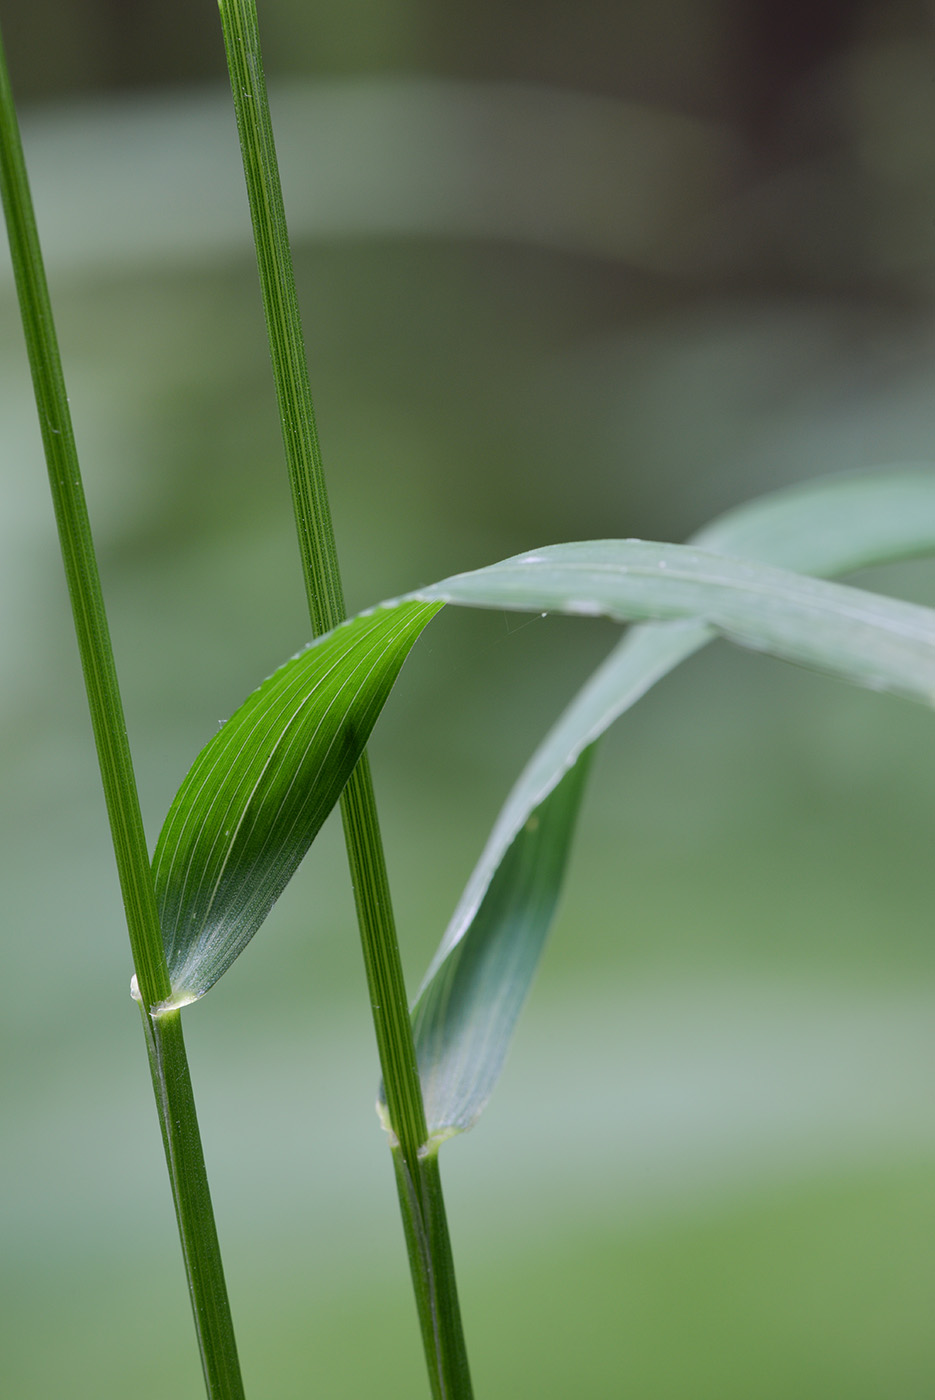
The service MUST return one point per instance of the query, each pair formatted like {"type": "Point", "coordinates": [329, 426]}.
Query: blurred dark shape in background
{"type": "Point", "coordinates": [789, 80]}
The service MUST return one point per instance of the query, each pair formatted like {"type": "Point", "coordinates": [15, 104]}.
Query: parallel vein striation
{"type": "Point", "coordinates": [258, 793]}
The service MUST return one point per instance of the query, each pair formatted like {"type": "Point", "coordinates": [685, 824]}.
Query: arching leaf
{"type": "Point", "coordinates": [463, 1031]}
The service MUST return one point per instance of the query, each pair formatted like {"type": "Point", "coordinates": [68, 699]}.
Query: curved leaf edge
{"type": "Point", "coordinates": [853, 521]}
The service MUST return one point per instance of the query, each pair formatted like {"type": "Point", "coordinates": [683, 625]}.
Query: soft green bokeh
{"type": "Point", "coordinates": [708, 1169]}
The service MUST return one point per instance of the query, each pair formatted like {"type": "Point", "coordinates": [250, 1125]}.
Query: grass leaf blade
{"type": "Point", "coordinates": [259, 791]}
{"type": "Point", "coordinates": [878, 642]}
{"type": "Point", "coordinates": [832, 525]}
{"type": "Point", "coordinates": [825, 527]}
{"type": "Point", "coordinates": [464, 1019]}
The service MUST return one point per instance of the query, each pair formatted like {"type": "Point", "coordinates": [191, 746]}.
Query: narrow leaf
{"type": "Point", "coordinates": [259, 791]}
{"type": "Point", "coordinates": [463, 1031]}
{"type": "Point", "coordinates": [873, 641]}
{"type": "Point", "coordinates": [466, 1013]}
{"type": "Point", "coordinates": [826, 527]}
{"type": "Point", "coordinates": [833, 525]}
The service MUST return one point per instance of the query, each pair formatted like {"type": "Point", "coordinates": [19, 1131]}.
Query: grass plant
{"type": "Point", "coordinates": [260, 790]}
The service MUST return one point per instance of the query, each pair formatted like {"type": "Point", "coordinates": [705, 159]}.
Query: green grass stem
{"type": "Point", "coordinates": [169, 1067]}
{"type": "Point", "coordinates": [420, 1187]}
{"type": "Point", "coordinates": [181, 1138]}
{"type": "Point", "coordinates": [78, 556]}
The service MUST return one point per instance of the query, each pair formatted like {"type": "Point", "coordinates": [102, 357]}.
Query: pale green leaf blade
{"type": "Point", "coordinates": [259, 791]}
{"type": "Point", "coordinates": [878, 642]}
{"type": "Point", "coordinates": [465, 1015]}
{"type": "Point", "coordinates": [824, 528]}
{"type": "Point", "coordinates": [644, 656]}
{"type": "Point", "coordinates": [834, 525]}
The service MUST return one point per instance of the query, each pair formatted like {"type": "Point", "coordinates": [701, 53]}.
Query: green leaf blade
{"type": "Point", "coordinates": [825, 527]}
{"type": "Point", "coordinates": [464, 1018]}
{"type": "Point", "coordinates": [878, 642]}
{"type": "Point", "coordinates": [259, 791]}
{"type": "Point", "coordinates": [833, 525]}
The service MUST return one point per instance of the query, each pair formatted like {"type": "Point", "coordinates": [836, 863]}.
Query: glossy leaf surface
{"type": "Point", "coordinates": [259, 791]}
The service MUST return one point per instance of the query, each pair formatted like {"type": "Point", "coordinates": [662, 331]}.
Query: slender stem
{"type": "Point", "coordinates": [172, 1083]}
{"type": "Point", "coordinates": [78, 556]}
{"type": "Point", "coordinates": [426, 1229]}
{"type": "Point", "coordinates": [420, 1187]}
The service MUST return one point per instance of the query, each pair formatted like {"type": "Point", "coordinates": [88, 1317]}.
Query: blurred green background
{"type": "Point", "coordinates": [568, 272]}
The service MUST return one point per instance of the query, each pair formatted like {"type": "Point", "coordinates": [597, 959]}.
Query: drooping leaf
{"type": "Point", "coordinates": [462, 1031]}
{"type": "Point", "coordinates": [826, 527]}
{"type": "Point", "coordinates": [259, 791]}
{"type": "Point", "coordinates": [873, 641]}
